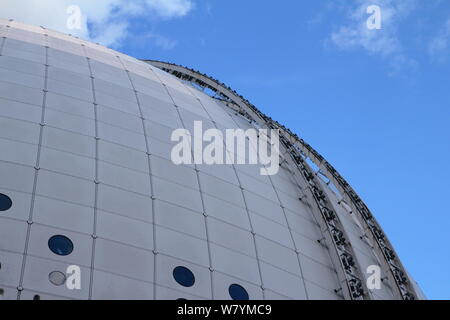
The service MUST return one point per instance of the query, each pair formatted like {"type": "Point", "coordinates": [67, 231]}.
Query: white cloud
{"type": "Point", "coordinates": [162, 42]}
{"type": "Point", "coordinates": [111, 34]}
{"type": "Point", "coordinates": [104, 21]}
{"type": "Point", "coordinates": [170, 8]}
{"type": "Point", "coordinates": [384, 42]}
{"type": "Point", "coordinates": [439, 47]}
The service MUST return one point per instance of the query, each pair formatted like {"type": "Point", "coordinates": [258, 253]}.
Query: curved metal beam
{"type": "Point", "coordinates": [398, 277]}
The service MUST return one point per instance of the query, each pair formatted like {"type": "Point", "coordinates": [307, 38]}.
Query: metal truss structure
{"type": "Point", "coordinates": [296, 152]}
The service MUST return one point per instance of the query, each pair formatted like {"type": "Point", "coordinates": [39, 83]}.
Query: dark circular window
{"type": "Point", "coordinates": [60, 245]}
{"type": "Point", "coordinates": [237, 292]}
{"type": "Point", "coordinates": [184, 276]}
{"type": "Point", "coordinates": [5, 202]}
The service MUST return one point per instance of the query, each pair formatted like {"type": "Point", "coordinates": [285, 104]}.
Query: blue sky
{"type": "Point", "coordinates": [375, 103]}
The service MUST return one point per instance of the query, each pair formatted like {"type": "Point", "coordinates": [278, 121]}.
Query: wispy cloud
{"type": "Point", "coordinates": [384, 42]}
{"type": "Point", "coordinates": [439, 46]}
{"type": "Point", "coordinates": [103, 21]}
{"type": "Point", "coordinates": [162, 41]}
{"type": "Point", "coordinates": [170, 8]}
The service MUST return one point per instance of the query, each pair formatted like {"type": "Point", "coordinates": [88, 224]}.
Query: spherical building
{"type": "Point", "coordinates": [93, 207]}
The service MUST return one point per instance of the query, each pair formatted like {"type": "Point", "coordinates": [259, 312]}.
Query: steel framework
{"type": "Point", "coordinates": [296, 153]}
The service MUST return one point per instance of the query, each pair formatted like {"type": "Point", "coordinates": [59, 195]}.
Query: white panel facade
{"type": "Point", "coordinates": [85, 157]}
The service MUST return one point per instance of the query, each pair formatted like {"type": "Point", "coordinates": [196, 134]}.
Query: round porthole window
{"type": "Point", "coordinates": [5, 202]}
{"type": "Point", "coordinates": [57, 278]}
{"type": "Point", "coordinates": [60, 245]}
{"type": "Point", "coordinates": [184, 276]}
{"type": "Point", "coordinates": [237, 292]}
